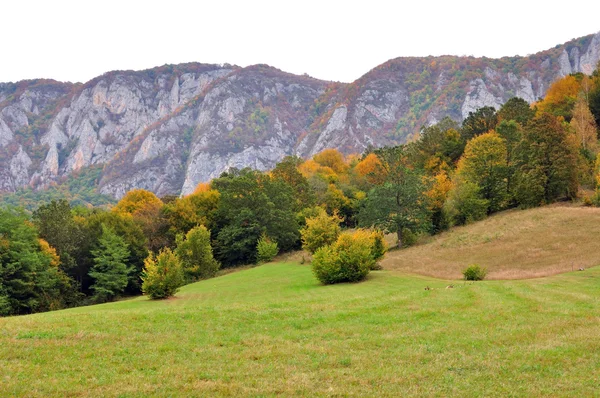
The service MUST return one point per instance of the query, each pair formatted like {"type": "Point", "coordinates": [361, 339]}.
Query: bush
{"type": "Point", "coordinates": [349, 259]}
{"type": "Point", "coordinates": [474, 273]}
{"type": "Point", "coordinates": [162, 276]}
{"type": "Point", "coordinates": [266, 249]}
{"type": "Point", "coordinates": [377, 244]}
{"type": "Point", "coordinates": [195, 254]}
{"type": "Point", "coordinates": [320, 231]}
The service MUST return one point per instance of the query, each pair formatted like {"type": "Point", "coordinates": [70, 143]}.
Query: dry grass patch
{"type": "Point", "coordinates": [516, 244]}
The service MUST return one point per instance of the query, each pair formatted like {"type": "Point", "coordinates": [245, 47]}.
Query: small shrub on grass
{"type": "Point", "coordinates": [162, 276]}
{"type": "Point", "coordinates": [474, 273]}
{"type": "Point", "coordinates": [266, 249]}
{"type": "Point", "coordinates": [349, 259]}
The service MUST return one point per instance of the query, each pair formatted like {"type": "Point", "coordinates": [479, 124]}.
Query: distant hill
{"type": "Point", "coordinates": [169, 128]}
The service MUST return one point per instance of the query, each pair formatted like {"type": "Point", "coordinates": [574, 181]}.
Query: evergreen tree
{"type": "Point", "coordinates": [110, 271]}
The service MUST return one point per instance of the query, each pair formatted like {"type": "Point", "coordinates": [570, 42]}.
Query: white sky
{"type": "Point", "coordinates": [332, 40]}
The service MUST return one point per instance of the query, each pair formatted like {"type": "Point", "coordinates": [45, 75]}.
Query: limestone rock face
{"type": "Point", "coordinates": [169, 128]}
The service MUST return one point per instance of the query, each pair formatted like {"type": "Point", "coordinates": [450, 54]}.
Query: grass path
{"type": "Point", "coordinates": [273, 330]}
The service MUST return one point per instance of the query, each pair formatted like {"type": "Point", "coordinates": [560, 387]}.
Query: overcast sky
{"type": "Point", "coordinates": [332, 40]}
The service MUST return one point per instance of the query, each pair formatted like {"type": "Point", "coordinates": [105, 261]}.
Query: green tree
{"type": "Point", "coordinates": [110, 270]}
{"type": "Point", "coordinates": [546, 162]}
{"type": "Point", "coordinates": [29, 279]}
{"type": "Point", "coordinates": [400, 203]}
{"type": "Point", "coordinates": [266, 249]}
{"type": "Point", "coordinates": [196, 254]}
{"type": "Point", "coordinates": [479, 122]}
{"type": "Point", "coordinates": [252, 203]}
{"type": "Point", "coordinates": [287, 171]}
{"type": "Point", "coordinates": [464, 203]}
{"type": "Point", "coordinates": [57, 226]}
{"type": "Point", "coordinates": [516, 109]}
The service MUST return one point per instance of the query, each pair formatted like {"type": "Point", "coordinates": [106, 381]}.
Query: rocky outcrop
{"type": "Point", "coordinates": [169, 128]}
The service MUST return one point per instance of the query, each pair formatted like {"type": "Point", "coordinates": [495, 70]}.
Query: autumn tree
{"type": "Point", "coordinates": [320, 230]}
{"type": "Point", "coordinates": [371, 169]}
{"type": "Point", "coordinates": [333, 159]}
{"type": "Point", "coordinates": [198, 208]}
{"type": "Point", "coordinates": [484, 164]}
{"type": "Point", "coordinates": [584, 125]}
{"type": "Point", "coordinates": [135, 200]}
{"type": "Point", "coordinates": [560, 97]}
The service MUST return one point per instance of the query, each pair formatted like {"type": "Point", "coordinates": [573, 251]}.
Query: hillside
{"type": "Point", "coordinates": [169, 128]}
{"type": "Point", "coordinates": [274, 331]}
{"type": "Point", "coordinates": [515, 244]}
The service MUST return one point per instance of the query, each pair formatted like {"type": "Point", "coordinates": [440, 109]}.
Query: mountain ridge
{"type": "Point", "coordinates": [168, 128]}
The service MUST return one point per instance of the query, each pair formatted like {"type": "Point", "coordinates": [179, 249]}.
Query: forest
{"type": "Point", "coordinates": [65, 254]}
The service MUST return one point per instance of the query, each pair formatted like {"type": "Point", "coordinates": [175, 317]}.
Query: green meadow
{"type": "Point", "coordinates": [273, 330]}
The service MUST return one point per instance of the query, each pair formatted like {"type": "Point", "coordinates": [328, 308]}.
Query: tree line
{"type": "Point", "coordinates": [518, 156]}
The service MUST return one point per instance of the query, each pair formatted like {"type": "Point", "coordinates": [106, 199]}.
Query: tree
{"type": "Point", "coordinates": [57, 226]}
{"type": "Point", "coordinates": [585, 127]}
{"type": "Point", "coordinates": [516, 109]}
{"type": "Point", "coordinates": [136, 199]}
{"type": "Point", "coordinates": [163, 275]}
{"type": "Point", "coordinates": [198, 208]}
{"type": "Point", "coordinates": [371, 169]}
{"type": "Point", "coordinates": [30, 281]}
{"type": "Point", "coordinates": [484, 164]}
{"type": "Point", "coordinates": [196, 254]}
{"type": "Point", "coordinates": [546, 162]}
{"type": "Point", "coordinates": [110, 271]}
{"type": "Point", "coordinates": [252, 203]}
{"type": "Point", "coordinates": [479, 122]}
{"type": "Point", "coordinates": [287, 172]}
{"type": "Point", "coordinates": [560, 97]}
{"type": "Point", "coordinates": [320, 230]}
{"type": "Point", "coordinates": [333, 159]}
{"type": "Point", "coordinates": [125, 227]}
{"type": "Point", "coordinates": [464, 203]}
{"type": "Point", "coordinates": [400, 203]}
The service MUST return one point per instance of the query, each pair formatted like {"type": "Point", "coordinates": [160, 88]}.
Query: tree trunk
{"type": "Point", "coordinates": [399, 233]}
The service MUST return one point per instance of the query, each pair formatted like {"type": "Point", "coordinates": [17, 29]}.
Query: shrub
{"type": "Point", "coordinates": [195, 254]}
{"type": "Point", "coordinates": [349, 259]}
{"type": "Point", "coordinates": [474, 273]}
{"type": "Point", "coordinates": [162, 276]}
{"type": "Point", "coordinates": [320, 230]}
{"type": "Point", "coordinates": [376, 242]}
{"type": "Point", "coordinates": [266, 249]}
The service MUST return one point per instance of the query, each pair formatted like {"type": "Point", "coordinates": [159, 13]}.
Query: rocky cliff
{"type": "Point", "coordinates": [169, 128]}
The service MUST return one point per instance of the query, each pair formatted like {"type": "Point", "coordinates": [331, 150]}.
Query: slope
{"type": "Point", "coordinates": [514, 244]}
{"type": "Point", "coordinates": [274, 331]}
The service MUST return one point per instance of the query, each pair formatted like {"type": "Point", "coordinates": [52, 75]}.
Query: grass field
{"type": "Point", "coordinates": [274, 331]}
{"type": "Point", "coordinates": [514, 244]}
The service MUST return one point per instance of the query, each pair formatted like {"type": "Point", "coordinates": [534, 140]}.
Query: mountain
{"type": "Point", "coordinates": [169, 128]}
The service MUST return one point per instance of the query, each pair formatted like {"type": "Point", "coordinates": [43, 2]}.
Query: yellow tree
{"type": "Point", "coordinates": [584, 124]}
{"type": "Point", "coordinates": [560, 97]}
{"type": "Point", "coordinates": [135, 200]}
{"type": "Point", "coordinates": [372, 169]}
{"type": "Point", "coordinates": [484, 164]}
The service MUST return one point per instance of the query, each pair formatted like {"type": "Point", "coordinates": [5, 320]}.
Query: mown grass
{"type": "Point", "coordinates": [514, 244]}
{"type": "Point", "coordinates": [274, 331]}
